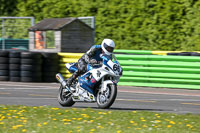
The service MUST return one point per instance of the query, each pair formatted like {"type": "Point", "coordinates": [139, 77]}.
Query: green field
{"type": "Point", "coordinates": [19, 119]}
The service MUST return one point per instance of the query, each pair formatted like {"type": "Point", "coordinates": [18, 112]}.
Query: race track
{"type": "Point", "coordinates": [128, 98]}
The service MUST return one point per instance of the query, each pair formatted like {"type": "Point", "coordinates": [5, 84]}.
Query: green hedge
{"type": "Point", "coordinates": [132, 24]}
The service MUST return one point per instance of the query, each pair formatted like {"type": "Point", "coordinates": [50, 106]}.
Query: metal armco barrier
{"type": "Point", "coordinates": [142, 68]}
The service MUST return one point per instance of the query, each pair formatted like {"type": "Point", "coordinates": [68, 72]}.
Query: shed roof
{"type": "Point", "coordinates": [53, 24]}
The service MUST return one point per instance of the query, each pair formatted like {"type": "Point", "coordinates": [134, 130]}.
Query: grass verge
{"type": "Point", "coordinates": [19, 119]}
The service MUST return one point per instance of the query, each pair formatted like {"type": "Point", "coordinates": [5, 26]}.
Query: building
{"type": "Point", "coordinates": [61, 35]}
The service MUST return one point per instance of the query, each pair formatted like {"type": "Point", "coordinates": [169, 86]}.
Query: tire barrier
{"type": "Point", "coordinates": [14, 65]}
{"type": "Point", "coordinates": [24, 66]}
{"type": "Point", "coordinates": [67, 58]}
{"type": "Point", "coordinates": [50, 67]}
{"type": "Point", "coordinates": [31, 67]}
{"type": "Point", "coordinates": [4, 65]}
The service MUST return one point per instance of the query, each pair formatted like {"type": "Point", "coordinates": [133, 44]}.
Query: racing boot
{"type": "Point", "coordinates": [71, 79]}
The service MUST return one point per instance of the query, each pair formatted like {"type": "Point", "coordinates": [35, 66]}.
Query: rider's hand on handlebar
{"type": "Point", "coordinates": [93, 61]}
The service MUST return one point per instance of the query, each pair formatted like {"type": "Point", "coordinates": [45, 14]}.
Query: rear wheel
{"type": "Point", "coordinates": [65, 98]}
{"type": "Point", "coordinates": [107, 98]}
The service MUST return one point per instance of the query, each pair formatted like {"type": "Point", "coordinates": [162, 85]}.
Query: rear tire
{"type": "Point", "coordinates": [111, 97]}
{"type": "Point", "coordinates": [65, 101]}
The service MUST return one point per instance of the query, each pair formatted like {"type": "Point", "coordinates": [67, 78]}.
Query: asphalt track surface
{"type": "Point", "coordinates": [128, 98]}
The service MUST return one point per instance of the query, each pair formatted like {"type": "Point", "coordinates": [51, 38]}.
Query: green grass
{"type": "Point", "coordinates": [19, 119]}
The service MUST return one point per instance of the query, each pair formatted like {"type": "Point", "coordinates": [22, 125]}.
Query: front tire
{"type": "Point", "coordinates": [106, 99]}
{"type": "Point", "coordinates": [65, 100]}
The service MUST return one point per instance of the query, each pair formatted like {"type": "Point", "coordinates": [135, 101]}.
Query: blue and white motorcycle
{"type": "Point", "coordinates": [98, 84]}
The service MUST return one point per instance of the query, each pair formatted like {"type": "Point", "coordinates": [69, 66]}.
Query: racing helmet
{"type": "Point", "coordinates": [108, 46]}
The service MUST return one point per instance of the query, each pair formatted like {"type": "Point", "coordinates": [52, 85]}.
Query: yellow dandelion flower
{"type": "Point", "coordinates": [79, 119]}
{"type": "Point", "coordinates": [169, 126]}
{"type": "Point", "coordinates": [45, 123]}
{"type": "Point", "coordinates": [66, 110]}
{"type": "Point", "coordinates": [55, 108]}
{"type": "Point", "coordinates": [144, 125]}
{"type": "Point", "coordinates": [54, 119]}
{"type": "Point", "coordinates": [39, 125]}
{"type": "Point", "coordinates": [158, 121]}
{"type": "Point", "coordinates": [85, 115]}
{"type": "Point", "coordinates": [100, 127]}
{"type": "Point", "coordinates": [134, 111]}
{"type": "Point", "coordinates": [69, 131]}
{"type": "Point", "coordinates": [34, 107]}
{"type": "Point", "coordinates": [59, 113]}
{"type": "Point", "coordinates": [15, 127]}
{"type": "Point", "coordinates": [78, 130]}
{"type": "Point", "coordinates": [131, 121]}
{"type": "Point", "coordinates": [143, 120]}
{"type": "Point", "coordinates": [91, 121]}
{"type": "Point", "coordinates": [24, 130]}
{"type": "Point", "coordinates": [1, 123]}
{"type": "Point", "coordinates": [92, 130]}
{"type": "Point", "coordinates": [188, 125]}
{"type": "Point", "coordinates": [172, 122]}
{"type": "Point", "coordinates": [100, 113]}
{"type": "Point", "coordinates": [119, 131]}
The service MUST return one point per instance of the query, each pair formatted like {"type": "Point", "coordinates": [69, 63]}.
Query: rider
{"type": "Point", "coordinates": [92, 56]}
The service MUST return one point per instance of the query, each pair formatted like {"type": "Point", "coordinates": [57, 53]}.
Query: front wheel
{"type": "Point", "coordinates": [107, 98]}
{"type": "Point", "coordinates": [65, 98]}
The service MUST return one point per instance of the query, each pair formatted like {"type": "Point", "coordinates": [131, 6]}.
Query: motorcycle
{"type": "Point", "coordinates": [98, 84]}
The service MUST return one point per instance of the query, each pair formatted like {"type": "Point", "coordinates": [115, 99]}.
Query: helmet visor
{"type": "Point", "coordinates": [108, 48]}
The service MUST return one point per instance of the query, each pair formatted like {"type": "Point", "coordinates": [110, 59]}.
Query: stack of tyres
{"type": "Point", "coordinates": [14, 65]}
{"type": "Point", "coordinates": [31, 67]}
{"type": "Point", "coordinates": [4, 66]}
{"type": "Point", "coordinates": [50, 67]}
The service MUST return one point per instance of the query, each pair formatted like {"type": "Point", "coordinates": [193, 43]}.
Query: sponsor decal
{"type": "Point", "coordinates": [93, 80]}
{"type": "Point", "coordinates": [91, 97]}
{"type": "Point", "coordinates": [58, 77]}
{"type": "Point", "coordinates": [98, 73]}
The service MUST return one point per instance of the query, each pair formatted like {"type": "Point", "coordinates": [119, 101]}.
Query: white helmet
{"type": "Point", "coordinates": [108, 46]}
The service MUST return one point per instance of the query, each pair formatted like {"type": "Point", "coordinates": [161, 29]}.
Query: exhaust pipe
{"type": "Point", "coordinates": [60, 79]}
